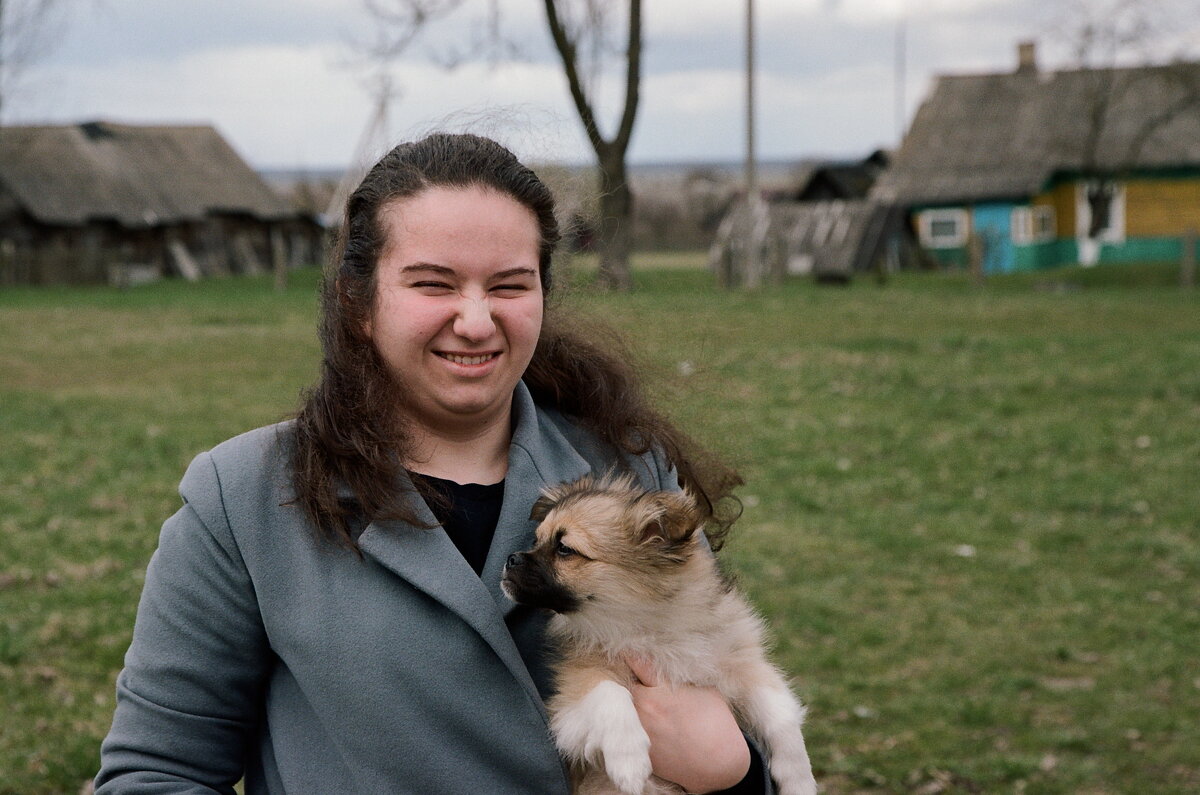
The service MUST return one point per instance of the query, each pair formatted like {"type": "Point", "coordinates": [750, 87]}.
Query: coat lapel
{"type": "Point", "coordinates": [539, 456]}
{"type": "Point", "coordinates": [426, 557]}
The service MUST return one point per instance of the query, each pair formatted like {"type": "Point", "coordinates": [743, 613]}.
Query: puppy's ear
{"type": "Point", "coordinates": [541, 507]}
{"type": "Point", "coordinates": [668, 515]}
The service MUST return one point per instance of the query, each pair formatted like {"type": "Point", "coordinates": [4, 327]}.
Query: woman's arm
{"type": "Point", "coordinates": [190, 695]}
{"type": "Point", "coordinates": [695, 740]}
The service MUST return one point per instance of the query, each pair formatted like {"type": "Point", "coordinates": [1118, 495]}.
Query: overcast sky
{"type": "Point", "coordinates": [285, 80]}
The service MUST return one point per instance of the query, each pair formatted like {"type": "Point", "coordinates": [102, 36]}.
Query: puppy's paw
{"type": "Point", "coordinates": [603, 729]}
{"type": "Point", "coordinates": [776, 715]}
{"type": "Point", "coordinates": [796, 785]}
{"type": "Point", "coordinates": [627, 763]}
{"type": "Point", "coordinates": [793, 775]}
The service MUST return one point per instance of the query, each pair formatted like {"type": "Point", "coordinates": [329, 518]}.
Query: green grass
{"type": "Point", "coordinates": [972, 516]}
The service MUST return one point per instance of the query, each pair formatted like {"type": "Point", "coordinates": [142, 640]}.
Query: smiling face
{"type": "Point", "coordinates": [458, 304]}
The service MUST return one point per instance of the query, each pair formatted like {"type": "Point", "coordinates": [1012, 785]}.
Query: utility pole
{"type": "Point", "coordinates": [751, 275]}
{"type": "Point", "coordinates": [901, 75]}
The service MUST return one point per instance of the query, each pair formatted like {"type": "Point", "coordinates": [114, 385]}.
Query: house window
{"type": "Point", "coordinates": [942, 228]}
{"type": "Point", "coordinates": [1033, 225]}
{"type": "Point", "coordinates": [1100, 211]}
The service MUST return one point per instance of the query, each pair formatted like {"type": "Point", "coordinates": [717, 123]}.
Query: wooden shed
{"type": "Point", "coordinates": [831, 241]}
{"type": "Point", "coordinates": [825, 227]}
{"type": "Point", "coordinates": [99, 201]}
{"type": "Point", "coordinates": [1035, 168]}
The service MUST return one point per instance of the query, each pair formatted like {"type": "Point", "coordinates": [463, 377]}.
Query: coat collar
{"type": "Point", "coordinates": [539, 456]}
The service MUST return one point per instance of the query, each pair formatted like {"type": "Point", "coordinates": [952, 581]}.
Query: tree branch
{"type": "Point", "coordinates": [1188, 101]}
{"type": "Point", "coordinates": [406, 20]}
{"type": "Point", "coordinates": [633, 76]}
{"type": "Point", "coordinates": [569, 54]}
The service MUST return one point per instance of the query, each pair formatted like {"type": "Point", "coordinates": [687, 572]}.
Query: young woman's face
{"type": "Point", "coordinates": [458, 304]}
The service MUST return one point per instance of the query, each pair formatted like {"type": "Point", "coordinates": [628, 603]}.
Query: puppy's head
{"type": "Point", "coordinates": [603, 543]}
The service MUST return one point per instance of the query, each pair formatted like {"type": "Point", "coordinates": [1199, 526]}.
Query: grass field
{"type": "Point", "coordinates": [972, 515]}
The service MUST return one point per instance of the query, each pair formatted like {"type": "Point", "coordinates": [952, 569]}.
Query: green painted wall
{"type": "Point", "coordinates": [948, 257]}
{"type": "Point", "coordinates": [1153, 249]}
{"type": "Point", "coordinates": [1051, 254]}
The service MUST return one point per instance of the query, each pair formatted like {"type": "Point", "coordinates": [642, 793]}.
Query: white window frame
{"type": "Point", "coordinates": [1115, 233]}
{"type": "Point", "coordinates": [926, 220]}
{"type": "Point", "coordinates": [1034, 224]}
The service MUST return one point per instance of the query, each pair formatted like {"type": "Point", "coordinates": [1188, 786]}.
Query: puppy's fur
{"type": "Point", "coordinates": [626, 572]}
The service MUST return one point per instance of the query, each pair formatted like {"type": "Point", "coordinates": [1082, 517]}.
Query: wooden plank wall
{"type": "Point", "coordinates": [1161, 207]}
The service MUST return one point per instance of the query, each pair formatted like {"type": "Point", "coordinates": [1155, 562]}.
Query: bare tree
{"type": "Point", "coordinates": [1122, 113]}
{"type": "Point", "coordinates": [583, 34]}
{"type": "Point", "coordinates": [25, 30]}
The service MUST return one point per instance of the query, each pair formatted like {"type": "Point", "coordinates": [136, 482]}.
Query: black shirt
{"type": "Point", "coordinates": [469, 513]}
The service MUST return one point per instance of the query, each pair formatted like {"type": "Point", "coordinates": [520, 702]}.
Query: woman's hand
{"type": "Point", "coordinates": [694, 740]}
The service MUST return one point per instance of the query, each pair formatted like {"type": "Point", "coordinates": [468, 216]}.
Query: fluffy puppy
{"type": "Point", "coordinates": [626, 571]}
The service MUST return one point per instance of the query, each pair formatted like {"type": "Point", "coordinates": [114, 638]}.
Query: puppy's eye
{"type": "Point", "coordinates": [564, 551]}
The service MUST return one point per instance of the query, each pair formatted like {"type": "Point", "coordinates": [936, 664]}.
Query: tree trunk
{"type": "Point", "coordinates": [279, 263]}
{"type": "Point", "coordinates": [3, 65]}
{"type": "Point", "coordinates": [616, 222]}
{"type": "Point", "coordinates": [616, 199]}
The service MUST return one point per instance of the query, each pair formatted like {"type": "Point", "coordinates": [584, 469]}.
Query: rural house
{"type": "Point", "coordinates": [1033, 169]}
{"type": "Point", "coordinates": [122, 203]}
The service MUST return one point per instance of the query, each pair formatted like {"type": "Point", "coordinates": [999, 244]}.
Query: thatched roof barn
{"type": "Point", "coordinates": [102, 201]}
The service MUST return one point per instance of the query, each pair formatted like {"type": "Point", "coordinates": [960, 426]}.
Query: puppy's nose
{"type": "Point", "coordinates": [516, 559]}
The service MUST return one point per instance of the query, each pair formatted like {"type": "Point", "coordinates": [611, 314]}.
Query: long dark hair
{"type": "Point", "coordinates": [350, 440]}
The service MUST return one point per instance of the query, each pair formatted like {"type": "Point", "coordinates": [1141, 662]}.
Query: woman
{"type": "Point", "coordinates": [305, 621]}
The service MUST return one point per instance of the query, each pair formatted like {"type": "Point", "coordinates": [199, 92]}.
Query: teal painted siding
{"type": "Point", "coordinates": [1065, 251]}
{"type": "Point", "coordinates": [1051, 254]}
{"type": "Point", "coordinates": [1032, 257]}
{"type": "Point", "coordinates": [1152, 249]}
{"type": "Point", "coordinates": [992, 224]}
{"type": "Point", "coordinates": [948, 257]}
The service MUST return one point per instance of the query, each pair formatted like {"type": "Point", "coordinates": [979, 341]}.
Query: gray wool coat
{"type": "Point", "coordinates": [260, 651]}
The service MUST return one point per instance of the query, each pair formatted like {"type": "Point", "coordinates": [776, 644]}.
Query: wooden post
{"type": "Point", "coordinates": [8, 271]}
{"type": "Point", "coordinates": [777, 262]}
{"type": "Point", "coordinates": [1187, 265]}
{"type": "Point", "coordinates": [246, 256]}
{"type": "Point", "coordinates": [279, 262]}
{"type": "Point", "coordinates": [726, 270]}
{"type": "Point", "coordinates": [752, 275]}
{"type": "Point", "coordinates": [975, 257]}
{"type": "Point", "coordinates": [181, 259]}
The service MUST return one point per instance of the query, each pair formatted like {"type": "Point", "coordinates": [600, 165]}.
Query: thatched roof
{"type": "Point", "coordinates": [1003, 136]}
{"type": "Point", "coordinates": [137, 176]}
